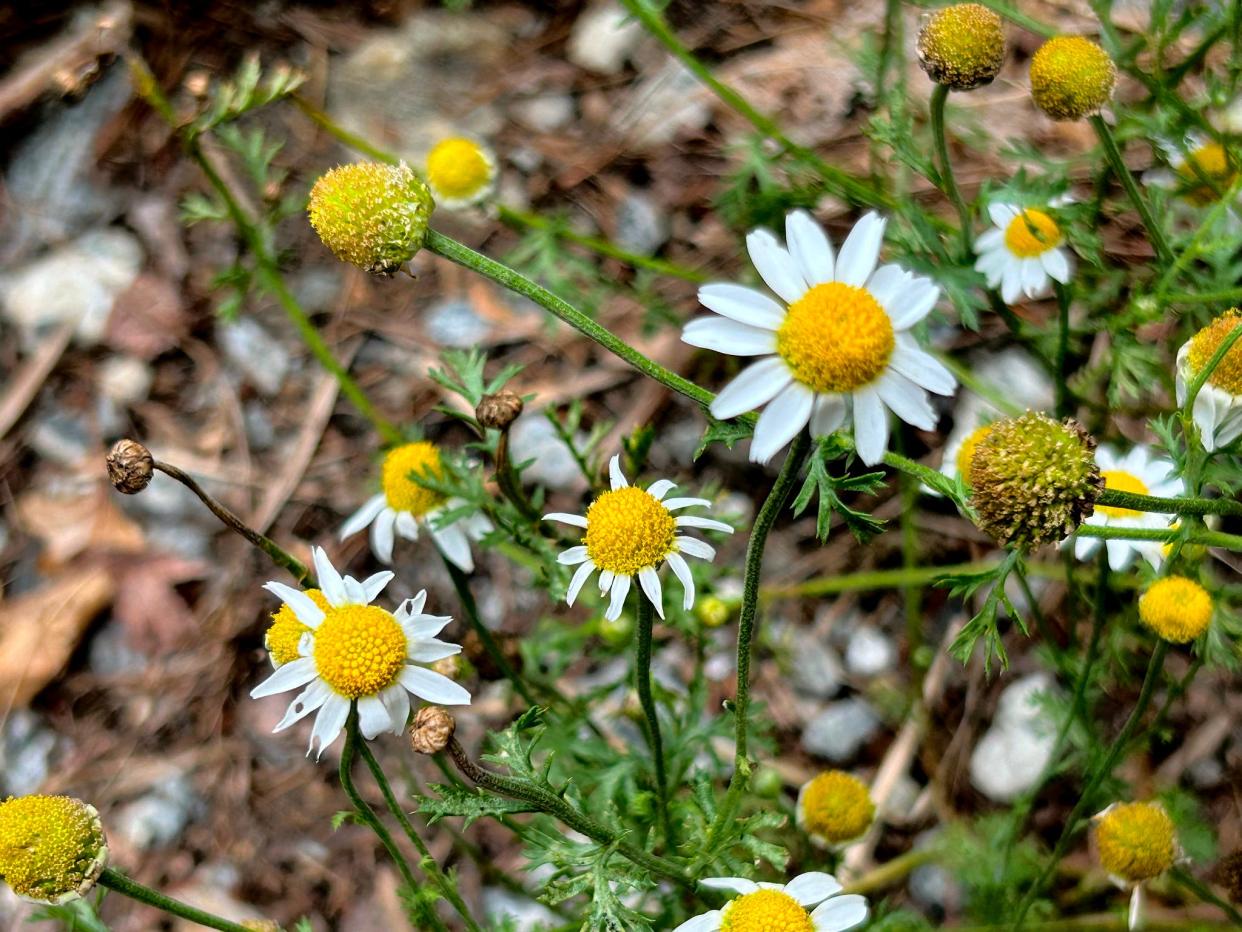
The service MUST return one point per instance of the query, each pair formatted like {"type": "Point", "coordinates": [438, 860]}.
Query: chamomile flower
{"type": "Point", "coordinates": [1218, 406]}
{"type": "Point", "coordinates": [1176, 608]}
{"type": "Point", "coordinates": [52, 848]}
{"type": "Point", "coordinates": [630, 532]}
{"type": "Point", "coordinates": [404, 505]}
{"type": "Point", "coordinates": [836, 346]}
{"type": "Point", "coordinates": [1023, 251]}
{"type": "Point", "coordinates": [1198, 169]}
{"type": "Point", "coordinates": [460, 172]}
{"type": "Point", "coordinates": [356, 652]}
{"type": "Point", "coordinates": [1144, 474]}
{"type": "Point", "coordinates": [1135, 842]}
{"type": "Point", "coordinates": [834, 807]}
{"type": "Point", "coordinates": [1071, 78]}
{"type": "Point", "coordinates": [811, 902]}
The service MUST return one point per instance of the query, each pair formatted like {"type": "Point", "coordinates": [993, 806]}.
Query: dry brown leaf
{"type": "Point", "coordinates": [40, 630]}
{"type": "Point", "coordinates": [147, 318]}
{"type": "Point", "coordinates": [148, 605]}
{"type": "Point", "coordinates": [71, 523]}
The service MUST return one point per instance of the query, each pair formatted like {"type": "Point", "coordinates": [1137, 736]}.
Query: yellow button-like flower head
{"type": "Point", "coordinates": [1176, 608]}
{"type": "Point", "coordinates": [460, 172]}
{"type": "Point", "coordinates": [1071, 78]}
{"type": "Point", "coordinates": [1135, 841]}
{"type": "Point", "coordinates": [52, 848]}
{"type": "Point", "coordinates": [835, 807]}
{"type": "Point", "coordinates": [962, 46]}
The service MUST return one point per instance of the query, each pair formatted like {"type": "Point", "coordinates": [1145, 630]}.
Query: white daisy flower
{"type": "Point", "coordinates": [630, 532]}
{"type": "Point", "coordinates": [1023, 252]}
{"type": "Point", "coordinates": [356, 652]}
{"type": "Point", "coordinates": [1218, 406]}
{"type": "Point", "coordinates": [461, 172]}
{"type": "Point", "coordinates": [1144, 474]}
{"type": "Point", "coordinates": [766, 906]}
{"type": "Point", "coordinates": [1195, 166]}
{"type": "Point", "coordinates": [403, 505]}
{"type": "Point", "coordinates": [835, 346]}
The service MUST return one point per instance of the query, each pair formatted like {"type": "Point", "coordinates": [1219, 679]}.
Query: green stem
{"type": "Point", "coordinates": [429, 865]}
{"type": "Point", "coordinates": [1184, 878]}
{"type": "Point", "coordinates": [1173, 535]}
{"type": "Point", "coordinates": [948, 183]}
{"type": "Point", "coordinates": [115, 880]}
{"type": "Point", "coordinates": [1115, 498]}
{"type": "Point", "coordinates": [768, 513]}
{"type": "Point", "coordinates": [1062, 357]}
{"type": "Point", "coordinates": [1227, 296]}
{"type": "Point", "coordinates": [1113, 154]}
{"type": "Point", "coordinates": [1087, 798]}
{"type": "Point", "coordinates": [642, 680]}
{"type": "Point", "coordinates": [510, 482]}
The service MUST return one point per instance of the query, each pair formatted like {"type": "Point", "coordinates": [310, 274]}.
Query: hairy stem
{"type": "Point", "coordinates": [1183, 506]}
{"type": "Point", "coordinates": [1111, 152]}
{"type": "Point", "coordinates": [1171, 536]}
{"type": "Point", "coordinates": [115, 880]}
{"type": "Point", "coordinates": [642, 681]}
{"type": "Point", "coordinates": [948, 183]}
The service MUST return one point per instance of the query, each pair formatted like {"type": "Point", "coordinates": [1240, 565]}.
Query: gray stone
{"type": "Point", "coordinates": [160, 817]}
{"type": "Point", "coordinates": [603, 38]}
{"type": "Point", "coordinates": [663, 106]}
{"type": "Point", "coordinates": [455, 322]}
{"type": "Point", "coordinates": [317, 288]}
{"type": "Point", "coordinates": [111, 653]}
{"type": "Point", "coordinates": [870, 652]}
{"type": "Point", "coordinates": [259, 429]}
{"type": "Point", "coordinates": [533, 438]}
{"type": "Point", "coordinates": [125, 379]}
{"type": "Point", "coordinates": [1015, 749]}
{"type": "Point", "coordinates": [75, 282]}
{"type": "Point", "coordinates": [62, 437]}
{"type": "Point", "coordinates": [840, 730]}
{"type": "Point", "coordinates": [642, 227]}
{"type": "Point", "coordinates": [815, 669]}
{"type": "Point", "coordinates": [545, 113]}
{"type": "Point", "coordinates": [255, 353]}
{"type": "Point", "coordinates": [26, 749]}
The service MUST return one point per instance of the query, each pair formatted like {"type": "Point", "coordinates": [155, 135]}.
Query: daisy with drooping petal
{"type": "Point", "coordinates": [404, 504]}
{"type": "Point", "coordinates": [356, 652]}
{"type": "Point", "coordinates": [1135, 842]}
{"type": "Point", "coordinates": [460, 172]}
{"type": "Point", "coordinates": [1144, 474]}
{"type": "Point", "coordinates": [1218, 406]}
{"type": "Point", "coordinates": [1198, 169]}
{"type": "Point", "coordinates": [630, 532]}
{"type": "Point", "coordinates": [811, 902]}
{"type": "Point", "coordinates": [835, 346]}
{"type": "Point", "coordinates": [1023, 252]}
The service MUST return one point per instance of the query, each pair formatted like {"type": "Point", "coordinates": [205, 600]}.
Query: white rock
{"type": "Point", "coordinates": [532, 437]}
{"type": "Point", "coordinates": [663, 106]}
{"type": "Point", "coordinates": [544, 113]}
{"type": "Point", "coordinates": [838, 732]}
{"type": "Point", "coordinates": [814, 669]}
{"type": "Point", "coordinates": [125, 379]}
{"type": "Point", "coordinates": [260, 357]}
{"type": "Point", "coordinates": [1015, 749]}
{"type": "Point", "coordinates": [870, 652]}
{"type": "Point", "coordinates": [642, 227]}
{"type": "Point", "coordinates": [603, 38]}
{"type": "Point", "coordinates": [454, 322]}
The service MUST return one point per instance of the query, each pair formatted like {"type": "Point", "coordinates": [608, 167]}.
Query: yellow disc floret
{"type": "Point", "coordinates": [765, 911]}
{"type": "Point", "coordinates": [359, 650]}
{"type": "Point", "coordinates": [1202, 168]}
{"type": "Point", "coordinates": [401, 466]}
{"type": "Point", "coordinates": [966, 452]}
{"type": "Point", "coordinates": [1135, 841]}
{"type": "Point", "coordinates": [1032, 233]}
{"type": "Point", "coordinates": [1122, 481]}
{"type": "Point", "coordinates": [459, 170]}
{"type": "Point", "coordinates": [836, 807]}
{"type": "Point", "coordinates": [836, 338]}
{"type": "Point", "coordinates": [1071, 77]}
{"type": "Point", "coordinates": [628, 530]}
{"type": "Point", "coordinates": [371, 215]}
{"type": "Point", "coordinates": [962, 46]}
{"type": "Point", "coordinates": [52, 848]}
{"type": "Point", "coordinates": [1176, 608]}
{"type": "Point", "coordinates": [285, 632]}
{"type": "Point", "coordinates": [1203, 346]}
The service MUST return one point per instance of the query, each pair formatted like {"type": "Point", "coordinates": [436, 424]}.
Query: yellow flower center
{"type": "Point", "coordinates": [402, 466]}
{"type": "Point", "coordinates": [836, 338]}
{"type": "Point", "coordinates": [1176, 608]}
{"type": "Point", "coordinates": [1228, 372]}
{"type": "Point", "coordinates": [962, 46]}
{"type": "Point", "coordinates": [966, 452]}
{"type": "Point", "coordinates": [1135, 841]}
{"type": "Point", "coordinates": [286, 631]}
{"type": "Point", "coordinates": [1122, 481]}
{"type": "Point", "coordinates": [51, 847]}
{"type": "Point", "coordinates": [1071, 77]}
{"type": "Point", "coordinates": [359, 650]}
{"type": "Point", "coordinates": [837, 807]}
{"type": "Point", "coordinates": [765, 911]}
{"type": "Point", "coordinates": [1208, 163]}
{"type": "Point", "coordinates": [628, 530]}
{"type": "Point", "coordinates": [458, 169]}
{"type": "Point", "coordinates": [1032, 233]}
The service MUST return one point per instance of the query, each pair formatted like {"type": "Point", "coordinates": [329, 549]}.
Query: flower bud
{"type": "Point", "coordinates": [962, 46]}
{"type": "Point", "coordinates": [52, 848]}
{"type": "Point", "coordinates": [499, 410]}
{"type": "Point", "coordinates": [433, 727]}
{"type": "Point", "coordinates": [130, 466]}
{"type": "Point", "coordinates": [1071, 78]}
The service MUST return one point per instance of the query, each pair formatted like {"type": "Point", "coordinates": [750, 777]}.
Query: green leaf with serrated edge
{"type": "Point", "coordinates": [468, 804]}
{"type": "Point", "coordinates": [726, 432]}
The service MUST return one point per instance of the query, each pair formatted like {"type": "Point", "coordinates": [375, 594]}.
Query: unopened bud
{"type": "Point", "coordinates": [433, 727]}
{"type": "Point", "coordinates": [130, 466]}
{"type": "Point", "coordinates": [499, 410]}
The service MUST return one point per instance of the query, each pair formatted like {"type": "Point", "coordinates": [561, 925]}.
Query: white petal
{"type": "Point", "coordinates": [992, 265]}
{"type": "Point", "coordinates": [921, 367]}
{"type": "Point", "coordinates": [620, 589]}
{"type": "Point", "coordinates": [431, 650]}
{"type": "Point", "coordinates": [1134, 917]}
{"type": "Point", "coordinates": [1011, 281]}
{"type": "Point", "coordinates": [775, 265]}
{"type": "Point", "coordinates": [292, 675]}
{"type": "Point", "coordinates": [373, 585]}
{"type": "Point", "coordinates": [382, 535]}
{"type": "Point", "coordinates": [354, 593]}
{"type": "Point", "coordinates": [673, 504]}
{"type": "Point", "coordinates": [407, 525]}
{"type": "Point", "coordinates": [1056, 265]}
{"type": "Point", "coordinates": [421, 627]}
{"type": "Point", "coordinates": [373, 716]}
{"type": "Point", "coordinates": [432, 687]}
{"type": "Point", "coordinates": [736, 884]}
{"type": "Point", "coordinates": [812, 887]}
{"type": "Point", "coordinates": [306, 702]}
{"type": "Point", "coordinates": [580, 577]}
{"type": "Point", "coordinates": [828, 415]}
{"type": "Point", "coordinates": [710, 524]}
{"type": "Point", "coordinates": [887, 282]}
{"type": "Point", "coordinates": [615, 475]}
{"type": "Point", "coordinates": [912, 303]}
{"type": "Point", "coordinates": [364, 515]}
{"type": "Point", "coordinates": [649, 580]}
{"type": "Point", "coordinates": [840, 913]}
{"type": "Point", "coordinates": [870, 426]}
{"type": "Point", "coordinates": [1120, 554]}
{"type": "Point", "coordinates": [861, 250]}
{"type": "Point", "coordinates": [755, 386]}
{"type": "Point", "coordinates": [397, 701]}
{"type": "Point", "coordinates": [454, 544]}
{"type": "Point", "coordinates": [989, 240]}
{"type": "Point", "coordinates": [605, 581]}
{"type": "Point", "coordinates": [565, 518]}
{"type": "Point", "coordinates": [681, 569]}
{"type": "Point", "coordinates": [707, 922]}
{"type": "Point", "coordinates": [572, 557]}
{"type": "Point", "coordinates": [411, 607]}
{"type": "Point", "coordinates": [809, 247]}
{"type": "Point", "coordinates": [745, 305]}
{"type": "Point", "coordinates": [307, 611]}
{"type": "Point", "coordinates": [660, 488]}
{"type": "Point", "coordinates": [1205, 416]}
{"type": "Point", "coordinates": [907, 400]}
{"type": "Point", "coordinates": [780, 421]}
{"type": "Point", "coordinates": [729, 336]}
{"type": "Point", "coordinates": [695, 547]}
{"type": "Point", "coordinates": [1034, 278]}
{"type": "Point", "coordinates": [1084, 547]}
{"type": "Point", "coordinates": [328, 723]}
{"type": "Point", "coordinates": [1002, 214]}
